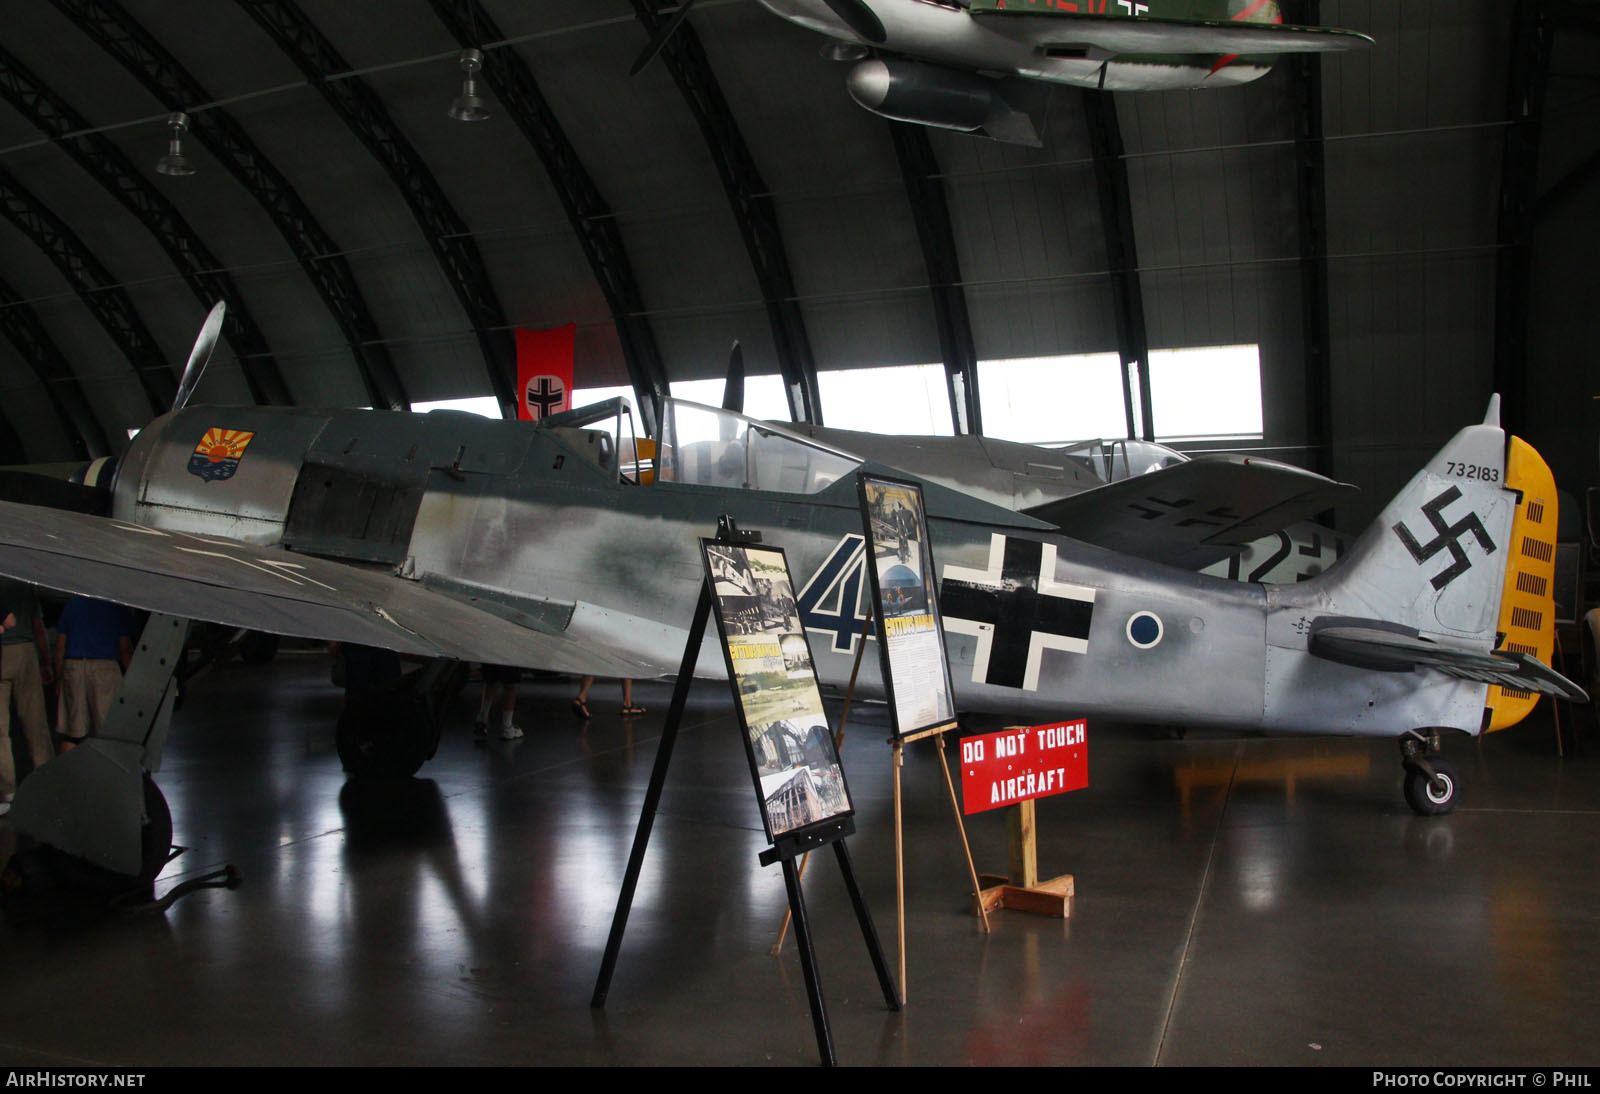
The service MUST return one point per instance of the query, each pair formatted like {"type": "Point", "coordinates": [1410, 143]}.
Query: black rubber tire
{"type": "Point", "coordinates": [258, 648]}
{"type": "Point", "coordinates": [1424, 799]}
{"type": "Point", "coordinates": [385, 734]}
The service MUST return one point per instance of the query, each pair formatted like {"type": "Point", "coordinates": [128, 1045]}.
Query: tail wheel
{"type": "Point", "coordinates": [1437, 796]}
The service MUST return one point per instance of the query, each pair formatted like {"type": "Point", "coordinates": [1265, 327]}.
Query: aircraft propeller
{"type": "Point", "coordinates": [855, 14]}
{"type": "Point", "coordinates": [204, 343]}
{"type": "Point", "coordinates": [733, 387]}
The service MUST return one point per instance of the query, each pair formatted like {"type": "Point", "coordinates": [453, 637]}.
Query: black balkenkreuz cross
{"type": "Point", "coordinates": [1448, 538]}
{"type": "Point", "coordinates": [544, 396]}
{"type": "Point", "coordinates": [1016, 609]}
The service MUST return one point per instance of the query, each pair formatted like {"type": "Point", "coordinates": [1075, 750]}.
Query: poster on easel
{"type": "Point", "coordinates": [916, 670]}
{"type": "Point", "coordinates": [796, 768]}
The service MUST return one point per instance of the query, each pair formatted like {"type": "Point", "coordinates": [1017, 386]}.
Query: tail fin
{"type": "Point", "coordinates": [1435, 560]}
{"type": "Point", "coordinates": [1254, 11]}
{"type": "Point", "coordinates": [1455, 564]}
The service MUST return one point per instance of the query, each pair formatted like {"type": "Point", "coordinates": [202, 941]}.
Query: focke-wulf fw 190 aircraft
{"type": "Point", "coordinates": [545, 545]}
{"type": "Point", "coordinates": [984, 66]}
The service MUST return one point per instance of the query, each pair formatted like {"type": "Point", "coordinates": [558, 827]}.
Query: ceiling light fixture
{"type": "Point", "coordinates": [175, 162]}
{"type": "Point", "coordinates": [467, 107]}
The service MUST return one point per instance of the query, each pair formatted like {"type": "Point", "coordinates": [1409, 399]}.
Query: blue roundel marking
{"type": "Point", "coordinates": [1144, 629]}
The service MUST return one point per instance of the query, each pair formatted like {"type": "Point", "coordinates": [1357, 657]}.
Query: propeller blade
{"type": "Point", "coordinates": [733, 387]}
{"type": "Point", "coordinates": [204, 343]}
{"type": "Point", "coordinates": [859, 18]}
{"type": "Point", "coordinates": [659, 41]}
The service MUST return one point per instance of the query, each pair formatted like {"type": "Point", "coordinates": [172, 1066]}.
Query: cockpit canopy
{"type": "Point", "coordinates": [707, 446]}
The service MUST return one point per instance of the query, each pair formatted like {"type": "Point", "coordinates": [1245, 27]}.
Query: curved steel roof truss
{"type": "Point", "coordinates": [919, 168]}
{"type": "Point", "coordinates": [22, 329]}
{"type": "Point", "coordinates": [200, 269]}
{"type": "Point", "coordinates": [446, 232]}
{"type": "Point", "coordinates": [586, 209]}
{"type": "Point", "coordinates": [100, 292]}
{"type": "Point", "coordinates": [752, 205]}
{"type": "Point", "coordinates": [115, 31]}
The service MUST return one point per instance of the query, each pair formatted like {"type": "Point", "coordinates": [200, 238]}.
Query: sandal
{"type": "Point", "coordinates": [580, 708]}
{"type": "Point", "coordinates": [633, 710]}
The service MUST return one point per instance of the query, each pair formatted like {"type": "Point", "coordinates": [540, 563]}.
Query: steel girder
{"type": "Point", "coordinates": [1127, 298]}
{"type": "Point", "coordinates": [446, 232]}
{"type": "Point", "coordinates": [919, 168]}
{"type": "Point", "coordinates": [752, 205]}
{"type": "Point", "coordinates": [586, 209]}
{"type": "Point", "coordinates": [1531, 41]}
{"type": "Point", "coordinates": [1305, 89]}
{"type": "Point", "coordinates": [100, 292]}
{"type": "Point", "coordinates": [22, 329]}
{"type": "Point", "coordinates": [200, 269]}
{"type": "Point", "coordinates": [114, 30]}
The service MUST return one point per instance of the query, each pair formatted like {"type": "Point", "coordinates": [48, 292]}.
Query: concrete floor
{"type": "Point", "coordinates": [1240, 901]}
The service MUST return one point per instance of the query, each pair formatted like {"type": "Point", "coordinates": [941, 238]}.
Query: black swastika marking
{"type": "Point", "coordinates": [1447, 539]}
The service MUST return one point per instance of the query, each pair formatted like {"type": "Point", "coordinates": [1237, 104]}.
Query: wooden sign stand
{"type": "Point", "coordinates": [785, 848]}
{"type": "Point", "coordinates": [898, 760]}
{"type": "Point", "coordinates": [1022, 890]}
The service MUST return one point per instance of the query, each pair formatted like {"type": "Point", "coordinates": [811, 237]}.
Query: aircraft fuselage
{"type": "Point", "coordinates": [1037, 624]}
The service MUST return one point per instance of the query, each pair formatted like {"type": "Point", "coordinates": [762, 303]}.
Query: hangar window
{"type": "Point", "coordinates": [1041, 399]}
{"type": "Point", "coordinates": [486, 405]}
{"type": "Point", "coordinates": [905, 399]}
{"type": "Point", "coordinates": [1206, 393]}
{"type": "Point", "coordinates": [584, 396]}
{"type": "Point", "coordinates": [763, 395]}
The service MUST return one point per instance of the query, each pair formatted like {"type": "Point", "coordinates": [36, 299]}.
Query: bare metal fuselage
{"type": "Point", "coordinates": [539, 517]}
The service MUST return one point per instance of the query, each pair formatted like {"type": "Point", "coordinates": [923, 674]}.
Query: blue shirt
{"type": "Point", "coordinates": [93, 627]}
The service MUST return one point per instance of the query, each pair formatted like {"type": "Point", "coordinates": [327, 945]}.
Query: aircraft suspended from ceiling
{"type": "Point", "coordinates": [985, 66]}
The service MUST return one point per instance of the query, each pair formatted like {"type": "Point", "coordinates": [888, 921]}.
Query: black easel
{"type": "Point", "coordinates": [785, 849]}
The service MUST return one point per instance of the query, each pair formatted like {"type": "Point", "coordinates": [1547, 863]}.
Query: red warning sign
{"type": "Point", "coordinates": [1023, 762]}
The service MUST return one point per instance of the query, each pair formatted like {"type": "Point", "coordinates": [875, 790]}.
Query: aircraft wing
{"type": "Point", "coordinates": [281, 592]}
{"type": "Point", "coordinates": [1194, 513]}
{"type": "Point", "coordinates": [1390, 650]}
{"type": "Point", "coordinates": [1110, 35]}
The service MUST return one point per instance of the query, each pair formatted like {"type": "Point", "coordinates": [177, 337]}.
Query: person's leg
{"type": "Point", "coordinates": [509, 731]}
{"type": "Point", "coordinates": [8, 766]}
{"type": "Point", "coordinates": [22, 669]}
{"type": "Point", "coordinates": [580, 705]}
{"type": "Point", "coordinates": [627, 698]}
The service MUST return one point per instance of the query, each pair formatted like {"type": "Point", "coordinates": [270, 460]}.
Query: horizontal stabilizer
{"type": "Point", "coordinates": [1194, 513]}
{"type": "Point", "coordinates": [281, 592]}
{"type": "Point", "coordinates": [28, 488]}
{"type": "Point", "coordinates": [1109, 35]}
{"type": "Point", "coordinates": [1388, 648]}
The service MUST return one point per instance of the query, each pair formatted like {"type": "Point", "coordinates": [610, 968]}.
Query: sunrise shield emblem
{"type": "Point", "coordinates": [218, 454]}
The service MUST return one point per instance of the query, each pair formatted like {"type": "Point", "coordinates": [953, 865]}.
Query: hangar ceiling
{"type": "Point", "coordinates": [375, 251]}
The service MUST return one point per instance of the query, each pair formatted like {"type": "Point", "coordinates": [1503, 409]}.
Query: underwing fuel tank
{"type": "Point", "coordinates": [947, 98]}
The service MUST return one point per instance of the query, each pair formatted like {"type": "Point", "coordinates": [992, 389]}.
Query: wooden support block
{"type": "Point", "coordinates": [1052, 898]}
{"type": "Point", "coordinates": [1021, 826]}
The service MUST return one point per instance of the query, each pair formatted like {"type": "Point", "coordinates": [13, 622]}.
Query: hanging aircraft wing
{"type": "Point", "coordinates": [1194, 513]}
{"type": "Point", "coordinates": [1375, 645]}
{"type": "Point", "coordinates": [281, 592]}
{"type": "Point", "coordinates": [1054, 29]}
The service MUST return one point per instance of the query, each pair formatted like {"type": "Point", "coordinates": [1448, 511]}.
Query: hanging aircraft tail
{"type": "Point", "coordinates": [1456, 576]}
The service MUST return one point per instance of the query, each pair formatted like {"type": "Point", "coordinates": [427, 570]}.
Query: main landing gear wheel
{"type": "Point", "coordinates": [387, 734]}
{"type": "Point", "coordinates": [1432, 783]}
